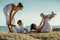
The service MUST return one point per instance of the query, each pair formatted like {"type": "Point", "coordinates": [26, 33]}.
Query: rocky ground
{"type": "Point", "coordinates": [30, 36]}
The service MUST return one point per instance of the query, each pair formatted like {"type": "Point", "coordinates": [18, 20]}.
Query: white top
{"type": "Point", "coordinates": [47, 27]}
{"type": "Point", "coordinates": [20, 29]}
{"type": "Point", "coordinates": [7, 10]}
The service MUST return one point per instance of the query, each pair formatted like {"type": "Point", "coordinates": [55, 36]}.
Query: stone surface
{"type": "Point", "coordinates": [30, 36]}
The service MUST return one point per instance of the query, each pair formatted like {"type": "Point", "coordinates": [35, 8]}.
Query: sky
{"type": "Point", "coordinates": [31, 11]}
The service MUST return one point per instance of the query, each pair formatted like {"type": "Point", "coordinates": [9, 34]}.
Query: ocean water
{"type": "Point", "coordinates": [5, 28]}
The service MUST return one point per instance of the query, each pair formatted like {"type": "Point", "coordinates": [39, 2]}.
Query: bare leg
{"type": "Point", "coordinates": [10, 28]}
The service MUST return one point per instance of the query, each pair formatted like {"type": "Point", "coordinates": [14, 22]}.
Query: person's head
{"type": "Point", "coordinates": [33, 26]}
{"type": "Point", "coordinates": [42, 15]}
{"type": "Point", "coordinates": [47, 16]}
{"type": "Point", "coordinates": [19, 22]}
{"type": "Point", "coordinates": [18, 7]}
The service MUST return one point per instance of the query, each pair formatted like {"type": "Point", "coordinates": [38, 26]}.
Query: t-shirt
{"type": "Point", "coordinates": [47, 27]}
{"type": "Point", "coordinates": [7, 10]}
{"type": "Point", "coordinates": [20, 29]}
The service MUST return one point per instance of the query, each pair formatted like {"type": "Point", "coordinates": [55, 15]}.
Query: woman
{"type": "Point", "coordinates": [10, 11]}
{"type": "Point", "coordinates": [44, 26]}
{"type": "Point", "coordinates": [47, 27]}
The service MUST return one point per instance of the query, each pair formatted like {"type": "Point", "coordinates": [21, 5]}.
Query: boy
{"type": "Point", "coordinates": [21, 28]}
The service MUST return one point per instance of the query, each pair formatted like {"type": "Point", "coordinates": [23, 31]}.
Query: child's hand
{"type": "Point", "coordinates": [53, 13]}
{"type": "Point", "coordinates": [26, 30]}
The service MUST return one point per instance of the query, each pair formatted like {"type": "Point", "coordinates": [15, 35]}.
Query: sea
{"type": "Point", "coordinates": [5, 28]}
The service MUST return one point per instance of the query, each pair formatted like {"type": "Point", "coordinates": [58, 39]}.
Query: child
{"type": "Point", "coordinates": [21, 28]}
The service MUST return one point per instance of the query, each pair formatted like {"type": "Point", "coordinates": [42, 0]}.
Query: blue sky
{"type": "Point", "coordinates": [31, 11]}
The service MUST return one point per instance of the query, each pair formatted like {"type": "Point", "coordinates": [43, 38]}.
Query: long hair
{"type": "Point", "coordinates": [20, 5]}
{"type": "Point", "coordinates": [32, 26]}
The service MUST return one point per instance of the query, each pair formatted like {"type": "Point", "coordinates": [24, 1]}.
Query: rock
{"type": "Point", "coordinates": [30, 36]}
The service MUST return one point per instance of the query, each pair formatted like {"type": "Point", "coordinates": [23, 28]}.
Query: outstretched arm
{"type": "Point", "coordinates": [13, 14]}
{"type": "Point", "coordinates": [53, 15]}
{"type": "Point", "coordinates": [11, 18]}
{"type": "Point", "coordinates": [40, 23]}
{"type": "Point", "coordinates": [39, 30]}
{"type": "Point", "coordinates": [10, 14]}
